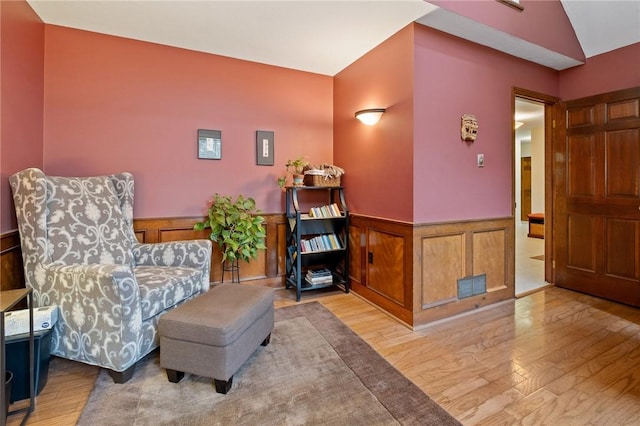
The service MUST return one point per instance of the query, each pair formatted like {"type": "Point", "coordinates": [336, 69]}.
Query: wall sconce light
{"type": "Point", "coordinates": [370, 116]}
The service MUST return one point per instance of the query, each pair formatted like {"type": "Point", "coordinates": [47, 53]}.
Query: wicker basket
{"type": "Point", "coordinates": [319, 180]}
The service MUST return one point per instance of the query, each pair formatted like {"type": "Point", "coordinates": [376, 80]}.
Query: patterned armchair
{"type": "Point", "coordinates": [80, 253]}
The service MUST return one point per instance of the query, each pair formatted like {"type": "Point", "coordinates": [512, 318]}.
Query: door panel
{"type": "Point", "coordinates": [385, 264]}
{"type": "Point", "coordinates": [580, 167]}
{"type": "Point", "coordinates": [582, 241]}
{"type": "Point", "coordinates": [622, 159]}
{"type": "Point", "coordinates": [622, 242]}
{"type": "Point", "coordinates": [597, 194]}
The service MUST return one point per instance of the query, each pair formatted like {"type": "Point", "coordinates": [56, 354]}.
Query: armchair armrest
{"type": "Point", "coordinates": [191, 253]}
{"type": "Point", "coordinates": [99, 309]}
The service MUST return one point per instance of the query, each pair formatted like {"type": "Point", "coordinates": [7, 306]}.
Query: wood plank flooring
{"type": "Point", "coordinates": [554, 357]}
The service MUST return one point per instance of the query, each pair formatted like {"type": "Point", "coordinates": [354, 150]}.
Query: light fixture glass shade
{"type": "Point", "coordinates": [370, 116]}
{"type": "Point", "coordinates": [517, 124]}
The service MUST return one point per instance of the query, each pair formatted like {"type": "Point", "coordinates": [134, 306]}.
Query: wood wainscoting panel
{"type": "Point", "coordinates": [11, 268]}
{"type": "Point", "coordinates": [281, 248]}
{"type": "Point", "coordinates": [357, 253]}
{"type": "Point", "coordinates": [269, 267]}
{"type": "Point", "coordinates": [269, 263]}
{"type": "Point", "coordinates": [385, 274]}
{"type": "Point", "coordinates": [447, 252]}
{"type": "Point", "coordinates": [443, 262]}
{"type": "Point", "coordinates": [415, 268]}
{"type": "Point", "coordinates": [489, 257]}
{"type": "Point", "coordinates": [388, 281]}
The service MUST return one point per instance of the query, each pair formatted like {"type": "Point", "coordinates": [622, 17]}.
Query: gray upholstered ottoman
{"type": "Point", "coordinates": [215, 333]}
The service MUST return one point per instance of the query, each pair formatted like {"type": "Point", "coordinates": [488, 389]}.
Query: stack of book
{"type": "Point", "coordinates": [330, 210]}
{"type": "Point", "coordinates": [320, 243]}
{"type": "Point", "coordinates": [318, 276]}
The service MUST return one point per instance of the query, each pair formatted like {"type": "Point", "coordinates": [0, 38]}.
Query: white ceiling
{"type": "Point", "coordinates": [604, 25]}
{"type": "Point", "coordinates": [531, 114]}
{"type": "Point", "coordinates": [323, 37]}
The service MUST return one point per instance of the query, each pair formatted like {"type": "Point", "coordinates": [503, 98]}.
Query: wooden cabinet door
{"type": "Point", "coordinates": [385, 265]}
{"type": "Point", "coordinates": [597, 190]}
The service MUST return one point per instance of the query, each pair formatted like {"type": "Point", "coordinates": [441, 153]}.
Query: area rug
{"type": "Point", "coordinates": [315, 371]}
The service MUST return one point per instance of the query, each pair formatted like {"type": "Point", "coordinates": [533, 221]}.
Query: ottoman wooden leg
{"type": "Point", "coordinates": [266, 340]}
{"type": "Point", "coordinates": [174, 376]}
{"type": "Point", "coordinates": [223, 386]}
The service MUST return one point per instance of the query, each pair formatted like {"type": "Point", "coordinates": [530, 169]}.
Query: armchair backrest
{"type": "Point", "coordinates": [73, 220]}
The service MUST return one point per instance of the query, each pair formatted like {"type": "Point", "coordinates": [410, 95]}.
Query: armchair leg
{"type": "Point", "coordinates": [121, 377]}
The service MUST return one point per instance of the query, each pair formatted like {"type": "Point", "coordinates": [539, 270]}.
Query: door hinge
{"type": "Point", "coordinates": [553, 124]}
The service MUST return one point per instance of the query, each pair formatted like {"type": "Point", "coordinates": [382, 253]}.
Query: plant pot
{"type": "Point", "coordinates": [298, 180]}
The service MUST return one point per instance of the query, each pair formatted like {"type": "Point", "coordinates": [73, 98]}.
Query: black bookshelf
{"type": "Point", "coordinates": [317, 239]}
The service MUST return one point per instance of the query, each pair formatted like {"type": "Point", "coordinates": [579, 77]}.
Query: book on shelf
{"type": "Point", "coordinates": [323, 242]}
{"type": "Point", "coordinates": [322, 272]}
{"type": "Point", "coordinates": [328, 210]}
{"type": "Point", "coordinates": [318, 276]}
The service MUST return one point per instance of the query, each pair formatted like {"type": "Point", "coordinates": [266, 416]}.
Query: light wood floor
{"type": "Point", "coordinates": [554, 357]}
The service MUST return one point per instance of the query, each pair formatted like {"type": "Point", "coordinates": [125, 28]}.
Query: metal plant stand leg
{"type": "Point", "coordinates": [234, 267]}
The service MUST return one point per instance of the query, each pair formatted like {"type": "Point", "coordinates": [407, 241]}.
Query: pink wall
{"type": "Point", "coordinates": [454, 77]}
{"type": "Point", "coordinates": [615, 70]}
{"type": "Point", "coordinates": [21, 98]}
{"type": "Point", "coordinates": [378, 159]}
{"type": "Point", "coordinates": [544, 23]}
{"type": "Point", "coordinates": [115, 104]}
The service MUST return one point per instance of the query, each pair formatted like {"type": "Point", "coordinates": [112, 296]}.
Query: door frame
{"type": "Point", "coordinates": [549, 124]}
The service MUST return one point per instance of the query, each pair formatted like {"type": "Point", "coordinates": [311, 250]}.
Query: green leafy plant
{"type": "Point", "coordinates": [296, 166]}
{"type": "Point", "coordinates": [236, 226]}
{"type": "Point", "coordinates": [293, 167]}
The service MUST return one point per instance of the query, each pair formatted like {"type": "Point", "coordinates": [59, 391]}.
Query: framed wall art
{"type": "Point", "coordinates": [264, 148]}
{"type": "Point", "coordinates": [209, 144]}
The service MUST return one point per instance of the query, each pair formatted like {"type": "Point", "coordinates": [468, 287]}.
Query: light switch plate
{"type": "Point", "coordinates": [480, 160]}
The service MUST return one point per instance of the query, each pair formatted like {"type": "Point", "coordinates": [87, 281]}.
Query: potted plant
{"type": "Point", "coordinates": [236, 226]}
{"type": "Point", "coordinates": [295, 168]}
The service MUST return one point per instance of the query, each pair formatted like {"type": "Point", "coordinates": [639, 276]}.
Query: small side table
{"type": "Point", "coordinates": [9, 299]}
{"type": "Point", "coordinates": [536, 225]}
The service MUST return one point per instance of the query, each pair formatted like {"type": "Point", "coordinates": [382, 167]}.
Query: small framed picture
{"type": "Point", "coordinates": [264, 148]}
{"type": "Point", "coordinates": [209, 144]}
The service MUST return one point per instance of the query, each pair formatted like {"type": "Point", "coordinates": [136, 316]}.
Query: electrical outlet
{"type": "Point", "coordinates": [480, 160]}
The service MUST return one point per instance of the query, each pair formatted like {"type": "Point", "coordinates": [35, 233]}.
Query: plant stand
{"type": "Point", "coordinates": [234, 267]}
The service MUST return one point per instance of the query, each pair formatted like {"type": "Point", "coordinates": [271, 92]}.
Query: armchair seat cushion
{"type": "Point", "coordinates": [162, 287]}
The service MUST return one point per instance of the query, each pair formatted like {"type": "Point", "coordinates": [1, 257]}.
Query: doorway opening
{"type": "Point", "coordinates": [529, 195]}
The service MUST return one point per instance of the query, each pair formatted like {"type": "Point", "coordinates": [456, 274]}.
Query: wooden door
{"type": "Point", "coordinates": [525, 188]}
{"type": "Point", "coordinates": [597, 222]}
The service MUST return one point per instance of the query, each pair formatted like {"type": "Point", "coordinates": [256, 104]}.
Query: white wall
{"type": "Point", "coordinates": [537, 170]}
{"type": "Point", "coordinates": [522, 149]}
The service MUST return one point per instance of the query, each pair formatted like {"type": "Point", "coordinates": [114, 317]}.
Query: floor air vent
{"type": "Point", "coordinates": [472, 286]}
